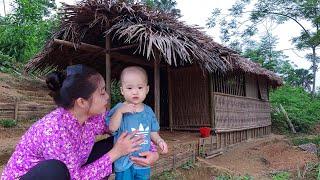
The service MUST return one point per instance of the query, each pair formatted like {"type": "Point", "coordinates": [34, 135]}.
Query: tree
{"type": "Point", "coordinates": [23, 33]}
{"type": "Point", "coordinates": [264, 53]}
{"type": "Point", "coordinates": [274, 11]}
{"type": "Point", "coordinates": [167, 6]}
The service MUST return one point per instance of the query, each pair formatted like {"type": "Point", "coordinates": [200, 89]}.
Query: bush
{"type": "Point", "coordinates": [8, 64]}
{"type": "Point", "coordinates": [116, 95]}
{"type": "Point", "coordinates": [302, 110]}
{"type": "Point", "coordinates": [8, 123]}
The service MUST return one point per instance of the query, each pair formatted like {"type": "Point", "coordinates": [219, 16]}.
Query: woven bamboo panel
{"type": "Point", "coordinates": [251, 86]}
{"type": "Point", "coordinates": [225, 139]}
{"type": "Point", "coordinates": [235, 113]}
{"type": "Point", "coordinates": [263, 88]}
{"type": "Point", "coordinates": [230, 83]}
{"type": "Point", "coordinates": [190, 98]}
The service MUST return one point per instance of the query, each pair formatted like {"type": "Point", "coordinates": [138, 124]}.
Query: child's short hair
{"type": "Point", "coordinates": [134, 69]}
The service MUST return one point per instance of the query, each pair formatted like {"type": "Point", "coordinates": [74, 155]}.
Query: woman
{"type": "Point", "coordinates": [62, 145]}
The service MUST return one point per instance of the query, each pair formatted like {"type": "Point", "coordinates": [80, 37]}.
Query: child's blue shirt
{"type": "Point", "coordinates": [145, 122]}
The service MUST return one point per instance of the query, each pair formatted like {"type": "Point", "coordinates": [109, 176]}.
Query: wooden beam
{"type": "Point", "coordinates": [170, 97]}
{"type": "Point", "coordinates": [115, 55]}
{"type": "Point", "coordinates": [157, 87]}
{"type": "Point", "coordinates": [81, 46]}
{"type": "Point", "coordinates": [108, 68]}
{"type": "Point", "coordinates": [90, 47]}
{"type": "Point", "coordinates": [124, 47]}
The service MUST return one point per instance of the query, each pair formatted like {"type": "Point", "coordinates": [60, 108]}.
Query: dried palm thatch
{"type": "Point", "coordinates": [150, 33]}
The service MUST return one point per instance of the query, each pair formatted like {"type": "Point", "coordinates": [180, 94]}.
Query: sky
{"type": "Point", "coordinates": [197, 12]}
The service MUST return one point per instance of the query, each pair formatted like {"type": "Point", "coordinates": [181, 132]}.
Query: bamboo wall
{"type": "Point", "coordinates": [263, 88]}
{"type": "Point", "coordinates": [225, 139]}
{"type": "Point", "coordinates": [240, 118]}
{"type": "Point", "coordinates": [235, 113]}
{"type": "Point", "coordinates": [190, 98]}
{"type": "Point", "coordinates": [230, 83]}
{"type": "Point", "coordinates": [251, 86]}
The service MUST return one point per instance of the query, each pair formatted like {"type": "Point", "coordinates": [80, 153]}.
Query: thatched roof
{"type": "Point", "coordinates": [137, 31]}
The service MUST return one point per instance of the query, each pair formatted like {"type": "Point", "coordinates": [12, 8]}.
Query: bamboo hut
{"type": "Point", "coordinates": [194, 82]}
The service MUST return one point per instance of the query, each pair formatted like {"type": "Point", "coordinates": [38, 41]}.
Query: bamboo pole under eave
{"type": "Point", "coordinates": [211, 100]}
{"type": "Point", "coordinates": [108, 68]}
{"type": "Point", "coordinates": [157, 86]}
{"type": "Point", "coordinates": [170, 97]}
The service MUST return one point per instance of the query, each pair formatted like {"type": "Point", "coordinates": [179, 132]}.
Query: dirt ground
{"type": "Point", "coordinates": [262, 157]}
{"type": "Point", "coordinates": [257, 157]}
{"type": "Point", "coordinates": [8, 140]}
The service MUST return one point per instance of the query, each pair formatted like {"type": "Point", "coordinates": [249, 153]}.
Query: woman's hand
{"type": "Point", "coordinates": [148, 158]}
{"type": "Point", "coordinates": [126, 143]}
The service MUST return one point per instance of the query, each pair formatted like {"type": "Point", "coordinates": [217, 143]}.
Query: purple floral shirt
{"type": "Point", "coordinates": [59, 136]}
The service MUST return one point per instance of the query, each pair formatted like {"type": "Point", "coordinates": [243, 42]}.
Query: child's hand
{"type": "Point", "coordinates": [128, 108]}
{"type": "Point", "coordinates": [163, 146]}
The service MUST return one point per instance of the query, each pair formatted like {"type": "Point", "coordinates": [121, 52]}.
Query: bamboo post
{"type": "Point", "coordinates": [218, 141]}
{"type": "Point", "coordinates": [170, 97]}
{"type": "Point", "coordinates": [108, 67]}
{"type": "Point", "coordinates": [193, 153]}
{"type": "Point", "coordinates": [16, 109]}
{"type": "Point", "coordinates": [174, 160]}
{"type": "Point", "coordinates": [157, 87]}
{"type": "Point", "coordinates": [211, 101]}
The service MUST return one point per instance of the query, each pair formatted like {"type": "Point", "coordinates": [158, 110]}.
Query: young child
{"type": "Point", "coordinates": [132, 115]}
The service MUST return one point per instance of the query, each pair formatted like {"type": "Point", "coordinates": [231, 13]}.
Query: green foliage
{"type": "Point", "coordinates": [167, 6]}
{"type": "Point", "coordinates": [302, 110]}
{"type": "Point", "coordinates": [318, 172]}
{"type": "Point", "coordinates": [8, 123]}
{"type": "Point", "coordinates": [166, 175]}
{"type": "Point", "coordinates": [8, 64]}
{"type": "Point", "coordinates": [229, 177]}
{"type": "Point", "coordinates": [281, 176]}
{"type": "Point", "coordinates": [24, 32]}
{"type": "Point", "coordinates": [116, 95]}
{"type": "Point", "coordinates": [264, 53]}
{"type": "Point", "coordinates": [188, 165]}
{"type": "Point", "coordinates": [309, 171]}
{"type": "Point", "coordinates": [304, 140]}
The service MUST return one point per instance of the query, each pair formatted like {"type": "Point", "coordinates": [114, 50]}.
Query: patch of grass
{"type": "Point", "coordinates": [281, 176]}
{"type": "Point", "coordinates": [188, 165]}
{"type": "Point", "coordinates": [318, 173]}
{"type": "Point", "coordinates": [311, 171]}
{"type": "Point", "coordinates": [229, 177]}
{"type": "Point", "coordinates": [304, 140]}
{"type": "Point", "coordinates": [8, 123]}
{"type": "Point", "coordinates": [166, 175]}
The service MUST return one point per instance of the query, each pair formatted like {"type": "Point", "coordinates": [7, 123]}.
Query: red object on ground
{"type": "Point", "coordinates": [205, 132]}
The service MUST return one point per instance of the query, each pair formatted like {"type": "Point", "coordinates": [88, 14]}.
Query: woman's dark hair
{"type": "Point", "coordinates": [75, 83]}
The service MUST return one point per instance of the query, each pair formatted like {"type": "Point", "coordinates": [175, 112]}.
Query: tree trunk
{"type": "Point", "coordinates": [4, 8]}
{"type": "Point", "coordinates": [287, 119]}
{"type": "Point", "coordinates": [314, 70]}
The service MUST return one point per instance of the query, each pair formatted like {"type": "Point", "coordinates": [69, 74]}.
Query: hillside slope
{"type": "Point", "coordinates": [31, 95]}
